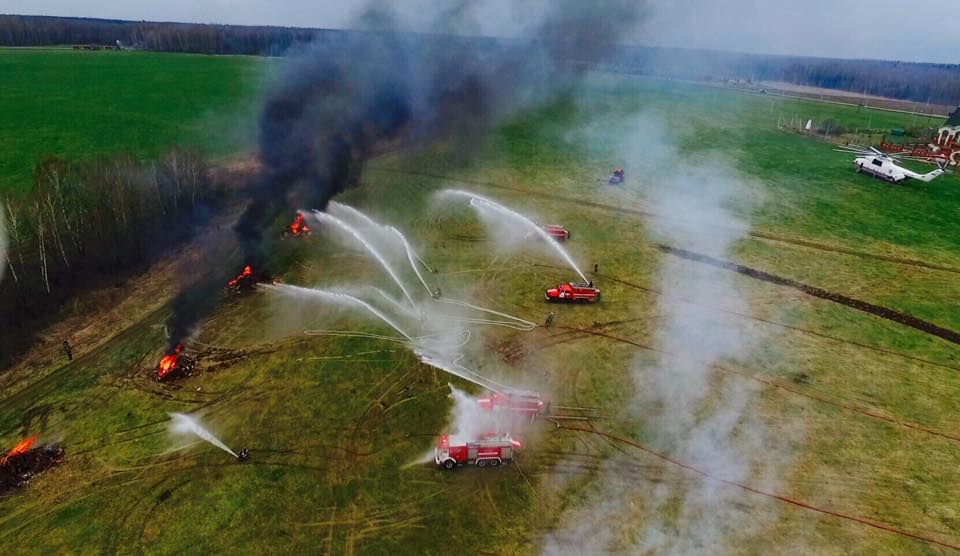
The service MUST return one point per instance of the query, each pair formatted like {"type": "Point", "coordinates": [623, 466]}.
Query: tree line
{"type": "Point", "coordinates": [16, 30]}
{"type": "Point", "coordinates": [933, 83]}
{"type": "Point", "coordinates": [86, 224]}
{"type": "Point", "coordinates": [919, 82]}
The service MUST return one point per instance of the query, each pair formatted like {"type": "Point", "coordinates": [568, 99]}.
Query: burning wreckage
{"type": "Point", "coordinates": [24, 461]}
{"type": "Point", "coordinates": [175, 364]}
{"type": "Point", "coordinates": [243, 282]}
{"type": "Point", "coordinates": [297, 228]}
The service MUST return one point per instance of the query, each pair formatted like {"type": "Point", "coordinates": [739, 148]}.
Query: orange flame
{"type": "Point", "coordinates": [169, 361]}
{"type": "Point", "coordinates": [298, 227]}
{"type": "Point", "coordinates": [247, 271]}
{"type": "Point", "coordinates": [21, 447]}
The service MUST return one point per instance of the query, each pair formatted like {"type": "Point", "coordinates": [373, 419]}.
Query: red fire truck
{"type": "Point", "coordinates": [574, 292]}
{"type": "Point", "coordinates": [490, 449]}
{"type": "Point", "coordinates": [557, 232]}
{"type": "Point", "coordinates": [520, 401]}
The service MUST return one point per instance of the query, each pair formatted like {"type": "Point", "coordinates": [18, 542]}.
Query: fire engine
{"type": "Point", "coordinates": [491, 449]}
{"type": "Point", "coordinates": [557, 232]}
{"type": "Point", "coordinates": [521, 401]}
{"type": "Point", "coordinates": [574, 292]}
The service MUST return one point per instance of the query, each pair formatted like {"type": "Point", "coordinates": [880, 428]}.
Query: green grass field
{"type": "Point", "coordinates": [330, 430]}
{"type": "Point", "coordinates": [87, 104]}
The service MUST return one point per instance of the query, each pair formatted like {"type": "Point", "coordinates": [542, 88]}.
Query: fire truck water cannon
{"type": "Point", "coordinates": [525, 402]}
{"type": "Point", "coordinates": [573, 292]}
{"type": "Point", "coordinates": [491, 449]}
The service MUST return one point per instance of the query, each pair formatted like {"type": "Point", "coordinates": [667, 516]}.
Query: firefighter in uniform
{"type": "Point", "coordinates": [67, 350]}
{"type": "Point", "coordinates": [549, 320]}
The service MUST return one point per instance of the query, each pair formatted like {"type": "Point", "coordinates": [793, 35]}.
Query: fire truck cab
{"type": "Point", "coordinates": [557, 232]}
{"type": "Point", "coordinates": [573, 292]}
{"type": "Point", "coordinates": [520, 401]}
{"type": "Point", "coordinates": [491, 450]}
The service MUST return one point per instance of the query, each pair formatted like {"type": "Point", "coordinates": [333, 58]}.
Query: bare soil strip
{"type": "Point", "coordinates": [779, 324]}
{"type": "Point", "coordinates": [876, 310]}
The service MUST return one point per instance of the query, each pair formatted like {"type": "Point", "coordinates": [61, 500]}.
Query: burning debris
{"type": "Point", "coordinates": [18, 449]}
{"type": "Point", "coordinates": [297, 228]}
{"type": "Point", "coordinates": [243, 282]}
{"type": "Point", "coordinates": [174, 364]}
{"type": "Point", "coordinates": [24, 461]}
{"type": "Point", "coordinates": [177, 364]}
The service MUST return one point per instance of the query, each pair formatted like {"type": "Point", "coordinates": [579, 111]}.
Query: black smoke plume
{"type": "Point", "coordinates": [340, 101]}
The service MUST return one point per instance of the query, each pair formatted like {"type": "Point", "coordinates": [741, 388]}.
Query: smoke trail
{"type": "Point", "coordinates": [183, 424]}
{"type": "Point", "coordinates": [338, 102]}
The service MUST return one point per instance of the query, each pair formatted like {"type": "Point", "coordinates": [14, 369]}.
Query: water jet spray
{"type": "Point", "coordinates": [480, 203]}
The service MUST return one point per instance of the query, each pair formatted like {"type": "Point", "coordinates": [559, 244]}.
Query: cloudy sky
{"type": "Point", "coordinates": [915, 30]}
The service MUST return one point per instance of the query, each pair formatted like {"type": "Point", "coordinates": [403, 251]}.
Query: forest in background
{"type": "Point", "coordinates": [914, 81]}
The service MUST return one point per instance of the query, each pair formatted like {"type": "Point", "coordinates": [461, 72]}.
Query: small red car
{"type": "Point", "coordinates": [557, 232]}
{"type": "Point", "coordinates": [574, 292]}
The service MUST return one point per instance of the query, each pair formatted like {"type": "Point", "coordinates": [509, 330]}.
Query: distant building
{"type": "Point", "coordinates": [949, 132]}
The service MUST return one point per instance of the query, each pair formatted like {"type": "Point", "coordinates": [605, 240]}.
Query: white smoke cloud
{"type": "Point", "coordinates": [691, 411]}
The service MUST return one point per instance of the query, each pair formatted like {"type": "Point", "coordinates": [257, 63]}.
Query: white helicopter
{"type": "Point", "coordinates": [885, 166]}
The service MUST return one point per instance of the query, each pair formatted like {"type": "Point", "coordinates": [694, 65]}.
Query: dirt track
{"type": "Point", "coordinates": [876, 310]}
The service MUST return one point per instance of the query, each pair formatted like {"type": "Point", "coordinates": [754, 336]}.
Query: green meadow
{"type": "Point", "coordinates": [337, 425]}
{"type": "Point", "coordinates": [82, 105]}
